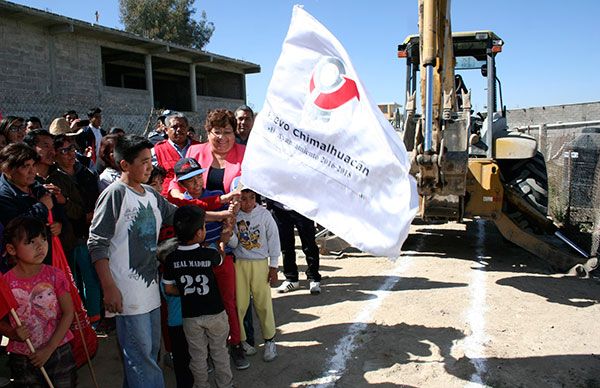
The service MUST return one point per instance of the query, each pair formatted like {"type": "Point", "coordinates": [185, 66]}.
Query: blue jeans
{"type": "Point", "coordinates": [139, 338]}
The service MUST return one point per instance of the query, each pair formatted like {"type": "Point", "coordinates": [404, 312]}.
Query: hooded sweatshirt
{"type": "Point", "coordinates": [255, 236]}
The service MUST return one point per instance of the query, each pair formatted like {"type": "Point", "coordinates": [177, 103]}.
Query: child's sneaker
{"type": "Point", "coordinates": [315, 288]}
{"type": "Point", "coordinates": [270, 351]}
{"type": "Point", "coordinates": [239, 358]}
{"type": "Point", "coordinates": [288, 286]}
{"type": "Point", "coordinates": [248, 349]}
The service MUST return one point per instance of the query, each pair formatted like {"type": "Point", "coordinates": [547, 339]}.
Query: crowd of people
{"type": "Point", "coordinates": [163, 242]}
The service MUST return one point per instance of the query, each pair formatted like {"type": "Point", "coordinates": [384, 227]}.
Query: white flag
{"type": "Point", "coordinates": [320, 147]}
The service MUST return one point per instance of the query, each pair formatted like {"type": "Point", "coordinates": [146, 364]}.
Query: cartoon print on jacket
{"type": "Point", "coordinates": [248, 236]}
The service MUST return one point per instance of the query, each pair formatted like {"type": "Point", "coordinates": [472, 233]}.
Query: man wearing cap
{"type": "Point", "coordinates": [168, 152]}
{"type": "Point", "coordinates": [188, 173]}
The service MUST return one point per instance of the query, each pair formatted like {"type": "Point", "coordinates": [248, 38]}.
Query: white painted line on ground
{"type": "Point", "coordinates": [346, 345]}
{"type": "Point", "coordinates": [473, 344]}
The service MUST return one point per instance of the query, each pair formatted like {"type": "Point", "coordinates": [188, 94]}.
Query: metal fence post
{"type": "Point", "coordinates": [542, 134]}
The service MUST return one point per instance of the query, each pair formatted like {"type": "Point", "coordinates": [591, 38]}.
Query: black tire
{"type": "Point", "coordinates": [529, 178]}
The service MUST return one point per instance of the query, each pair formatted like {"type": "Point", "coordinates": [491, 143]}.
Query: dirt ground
{"type": "Point", "coordinates": [461, 307]}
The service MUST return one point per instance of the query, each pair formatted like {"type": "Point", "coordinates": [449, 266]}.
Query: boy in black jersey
{"type": "Point", "coordinates": [188, 273]}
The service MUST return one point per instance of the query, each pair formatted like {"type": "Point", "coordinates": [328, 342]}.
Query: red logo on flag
{"type": "Point", "coordinates": [333, 87]}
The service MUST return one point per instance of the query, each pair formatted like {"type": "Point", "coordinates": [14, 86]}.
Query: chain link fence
{"type": "Point", "coordinates": [572, 153]}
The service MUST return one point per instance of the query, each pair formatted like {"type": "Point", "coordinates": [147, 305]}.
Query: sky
{"type": "Point", "coordinates": [549, 57]}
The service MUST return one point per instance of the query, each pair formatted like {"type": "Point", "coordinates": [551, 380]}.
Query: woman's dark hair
{"type": "Point", "coordinates": [219, 118]}
{"type": "Point", "coordinates": [128, 147]}
{"type": "Point", "coordinates": [187, 220]}
{"type": "Point", "coordinates": [23, 228]}
{"type": "Point", "coordinates": [15, 155]}
{"type": "Point", "coordinates": [7, 122]}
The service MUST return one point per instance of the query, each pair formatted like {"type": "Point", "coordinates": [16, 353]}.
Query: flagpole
{"type": "Point", "coordinates": [30, 346]}
{"type": "Point", "coordinates": [85, 349]}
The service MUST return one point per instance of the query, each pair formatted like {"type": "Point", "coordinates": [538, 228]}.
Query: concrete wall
{"type": "Point", "coordinates": [44, 75]}
{"type": "Point", "coordinates": [587, 111]}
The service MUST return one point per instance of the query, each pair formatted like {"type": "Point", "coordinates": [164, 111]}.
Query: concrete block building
{"type": "Point", "coordinates": [50, 64]}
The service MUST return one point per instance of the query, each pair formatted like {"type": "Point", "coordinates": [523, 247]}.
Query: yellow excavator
{"type": "Point", "coordinates": [470, 165]}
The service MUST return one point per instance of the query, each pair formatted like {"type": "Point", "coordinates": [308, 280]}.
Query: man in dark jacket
{"type": "Point", "coordinates": [92, 135]}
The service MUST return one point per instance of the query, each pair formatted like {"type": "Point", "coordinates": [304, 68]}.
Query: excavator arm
{"type": "Point", "coordinates": [466, 168]}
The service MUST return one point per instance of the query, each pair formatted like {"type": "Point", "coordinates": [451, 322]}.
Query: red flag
{"type": "Point", "coordinates": [7, 299]}
{"type": "Point", "coordinates": [59, 260]}
{"type": "Point", "coordinates": [84, 345]}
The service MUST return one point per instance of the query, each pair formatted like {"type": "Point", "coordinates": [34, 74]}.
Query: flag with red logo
{"type": "Point", "coordinates": [7, 299]}
{"type": "Point", "coordinates": [321, 147]}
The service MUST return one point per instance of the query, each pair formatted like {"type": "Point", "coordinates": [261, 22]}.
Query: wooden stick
{"type": "Point", "coordinates": [30, 346]}
{"type": "Point", "coordinates": [85, 349]}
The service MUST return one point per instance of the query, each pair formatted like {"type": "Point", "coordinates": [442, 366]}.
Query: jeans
{"type": "Point", "coordinates": [60, 368]}
{"type": "Point", "coordinates": [139, 338]}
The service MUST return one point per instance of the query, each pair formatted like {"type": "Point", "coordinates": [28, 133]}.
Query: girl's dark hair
{"type": "Point", "coordinates": [15, 155]}
{"type": "Point", "coordinates": [128, 147]}
{"type": "Point", "coordinates": [187, 220]}
{"type": "Point", "coordinates": [23, 228]}
{"type": "Point", "coordinates": [219, 118]}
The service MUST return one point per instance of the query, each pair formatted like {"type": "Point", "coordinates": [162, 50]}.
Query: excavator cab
{"type": "Point", "coordinates": [475, 51]}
